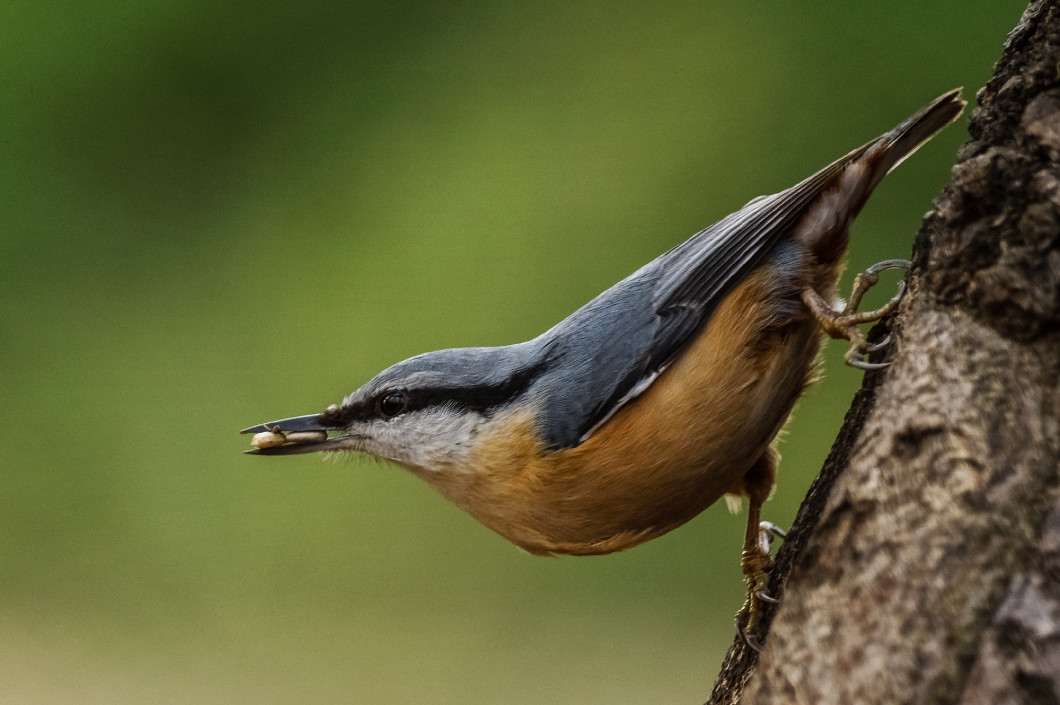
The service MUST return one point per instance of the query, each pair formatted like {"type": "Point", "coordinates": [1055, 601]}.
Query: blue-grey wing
{"type": "Point", "coordinates": [610, 350]}
{"type": "Point", "coordinates": [616, 345]}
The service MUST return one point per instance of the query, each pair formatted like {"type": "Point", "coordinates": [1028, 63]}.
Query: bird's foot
{"type": "Point", "coordinates": [757, 565]}
{"type": "Point", "coordinates": [844, 324]}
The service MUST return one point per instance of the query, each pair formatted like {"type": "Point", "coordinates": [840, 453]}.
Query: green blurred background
{"type": "Point", "coordinates": [219, 214]}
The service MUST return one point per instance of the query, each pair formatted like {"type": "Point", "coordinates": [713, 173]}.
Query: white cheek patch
{"type": "Point", "coordinates": [431, 439]}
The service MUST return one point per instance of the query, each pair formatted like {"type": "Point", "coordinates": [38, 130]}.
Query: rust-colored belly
{"type": "Point", "coordinates": [663, 458]}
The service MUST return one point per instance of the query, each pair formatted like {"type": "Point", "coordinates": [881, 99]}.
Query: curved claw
{"type": "Point", "coordinates": [751, 641]}
{"type": "Point", "coordinates": [757, 564]}
{"type": "Point", "coordinates": [858, 351]}
{"type": "Point", "coordinates": [854, 356]}
{"type": "Point", "coordinates": [897, 297]}
{"type": "Point", "coordinates": [889, 264]}
{"type": "Point", "coordinates": [868, 366]}
{"type": "Point", "coordinates": [876, 347]}
{"type": "Point", "coordinates": [844, 324]}
{"type": "Point", "coordinates": [765, 597]}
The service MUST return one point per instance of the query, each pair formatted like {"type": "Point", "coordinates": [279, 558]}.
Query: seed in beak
{"type": "Point", "coordinates": [306, 436]}
{"type": "Point", "coordinates": [271, 439]}
{"type": "Point", "coordinates": [267, 439]}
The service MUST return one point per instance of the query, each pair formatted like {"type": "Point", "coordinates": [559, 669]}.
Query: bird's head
{"type": "Point", "coordinates": [423, 413]}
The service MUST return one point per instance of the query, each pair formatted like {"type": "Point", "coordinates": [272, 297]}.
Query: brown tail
{"type": "Point", "coordinates": [896, 146]}
{"type": "Point", "coordinates": [851, 180]}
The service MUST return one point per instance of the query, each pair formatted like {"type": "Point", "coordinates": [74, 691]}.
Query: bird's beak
{"type": "Point", "coordinates": [298, 434]}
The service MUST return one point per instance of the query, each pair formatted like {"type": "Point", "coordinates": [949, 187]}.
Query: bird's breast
{"type": "Point", "coordinates": [661, 459]}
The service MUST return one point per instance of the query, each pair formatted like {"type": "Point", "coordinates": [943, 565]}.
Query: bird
{"type": "Point", "coordinates": [652, 401]}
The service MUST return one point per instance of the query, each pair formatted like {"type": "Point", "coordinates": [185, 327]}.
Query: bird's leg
{"type": "Point", "coordinates": [844, 324]}
{"type": "Point", "coordinates": [757, 564]}
{"type": "Point", "coordinates": [756, 560]}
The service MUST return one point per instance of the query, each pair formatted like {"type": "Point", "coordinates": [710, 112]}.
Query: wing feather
{"type": "Point", "coordinates": [615, 346]}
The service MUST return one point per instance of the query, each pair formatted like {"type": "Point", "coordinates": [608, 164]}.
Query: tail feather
{"type": "Point", "coordinates": [823, 226]}
{"type": "Point", "coordinates": [897, 145]}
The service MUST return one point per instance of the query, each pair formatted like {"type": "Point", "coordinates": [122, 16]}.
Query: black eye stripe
{"type": "Point", "coordinates": [481, 398]}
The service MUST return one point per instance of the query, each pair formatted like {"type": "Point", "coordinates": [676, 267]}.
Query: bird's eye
{"type": "Point", "coordinates": [393, 404]}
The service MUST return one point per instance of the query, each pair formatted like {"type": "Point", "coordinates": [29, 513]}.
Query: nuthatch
{"type": "Point", "coordinates": [650, 402]}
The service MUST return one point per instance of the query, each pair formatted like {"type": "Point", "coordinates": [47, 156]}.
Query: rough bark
{"type": "Point", "coordinates": [924, 565]}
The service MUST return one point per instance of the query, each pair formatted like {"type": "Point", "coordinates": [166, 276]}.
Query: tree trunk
{"type": "Point", "coordinates": [924, 565]}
